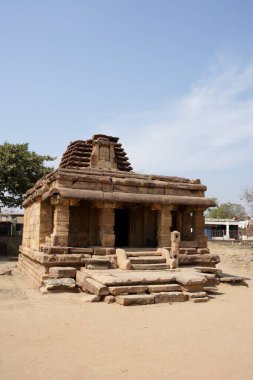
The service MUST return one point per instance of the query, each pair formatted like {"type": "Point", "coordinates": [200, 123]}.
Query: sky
{"type": "Point", "coordinates": [172, 79]}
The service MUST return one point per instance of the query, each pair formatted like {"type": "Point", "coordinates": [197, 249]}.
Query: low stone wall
{"type": "Point", "coordinates": [9, 245]}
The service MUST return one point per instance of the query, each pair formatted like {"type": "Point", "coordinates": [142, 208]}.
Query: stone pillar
{"type": "Point", "coordinates": [60, 235]}
{"type": "Point", "coordinates": [106, 226]}
{"type": "Point", "coordinates": [198, 228]}
{"type": "Point", "coordinates": [186, 228]}
{"type": "Point", "coordinates": [227, 236]}
{"type": "Point", "coordinates": [164, 226]}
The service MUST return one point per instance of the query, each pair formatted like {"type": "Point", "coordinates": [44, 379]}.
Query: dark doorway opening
{"type": "Point", "coordinates": [121, 228]}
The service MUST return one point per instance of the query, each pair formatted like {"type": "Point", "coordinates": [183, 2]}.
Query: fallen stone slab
{"type": "Point", "coordinates": [199, 259]}
{"type": "Point", "coordinates": [60, 272]}
{"type": "Point", "coordinates": [190, 278]}
{"type": "Point", "coordinates": [109, 299]}
{"type": "Point", "coordinates": [80, 276]}
{"type": "Point", "coordinates": [131, 289]}
{"type": "Point", "coordinates": [165, 297]}
{"type": "Point", "coordinates": [94, 287]}
{"type": "Point", "coordinates": [209, 270]}
{"type": "Point", "coordinates": [59, 283]}
{"type": "Point", "coordinates": [192, 288]}
{"type": "Point", "coordinates": [196, 295]}
{"type": "Point", "coordinates": [233, 279]}
{"type": "Point", "coordinates": [134, 299]}
{"type": "Point", "coordinates": [164, 288]}
{"type": "Point", "coordinates": [200, 299]}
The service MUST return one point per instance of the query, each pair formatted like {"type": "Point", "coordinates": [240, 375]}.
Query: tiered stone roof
{"type": "Point", "coordinates": [78, 154]}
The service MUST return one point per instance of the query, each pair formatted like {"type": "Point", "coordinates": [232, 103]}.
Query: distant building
{"type": "Point", "coordinates": [223, 229]}
{"type": "Point", "coordinates": [11, 229]}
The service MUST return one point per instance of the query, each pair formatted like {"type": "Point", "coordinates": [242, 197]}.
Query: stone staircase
{"type": "Point", "coordinates": [141, 259]}
{"type": "Point", "coordinates": [146, 260]}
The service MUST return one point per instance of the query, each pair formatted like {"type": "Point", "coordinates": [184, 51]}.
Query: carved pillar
{"type": "Point", "coordinates": [106, 226]}
{"type": "Point", "coordinates": [164, 226]}
{"type": "Point", "coordinates": [60, 235]}
{"type": "Point", "coordinates": [186, 228]}
{"type": "Point", "coordinates": [198, 228]}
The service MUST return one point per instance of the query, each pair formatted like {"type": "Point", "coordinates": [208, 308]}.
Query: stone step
{"type": "Point", "coordinates": [165, 297]}
{"type": "Point", "coordinates": [142, 253]}
{"type": "Point", "coordinates": [145, 299]}
{"type": "Point", "coordinates": [97, 263]}
{"type": "Point", "coordinates": [147, 260]}
{"type": "Point", "coordinates": [209, 270]}
{"type": "Point", "coordinates": [197, 295]}
{"type": "Point", "coordinates": [131, 289]}
{"type": "Point", "coordinates": [149, 266]}
{"type": "Point", "coordinates": [135, 299]}
{"type": "Point", "coordinates": [164, 288]}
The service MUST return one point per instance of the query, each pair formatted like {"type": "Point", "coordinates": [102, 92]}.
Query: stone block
{"type": "Point", "coordinates": [55, 250]}
{"type": "Point", "coordinates": [81, 250]}
{"type": "Point", "coordinates": [80, 276]}
{"type": "Point", "coordinates": [60, 284]}
{"type": "Point", "coordinates": [97, 264]}
{"type": "Point", "coordinates": [201, 299]}
{"type": "Point", "coordinates": [202, 251]}
{"type": "Point", "coordinates": [193, 288]}
{"type": "Point", "coordinates": [94, 287]}
{"type": "Point", "coordinates": [216, 271]}
{"type": "Point", "coordinates": [164, 288]}
{"type": "Point", "coordinates": [134, 289]}
{"type": "Point", "coordinates": [196, 295]}
{"type": "Point", "coordinates": [165, 297]}
{"type": "Point", "coordinates": [134, 299]}
{"type": "Point", "coordinates": [59, 272]}
{"type": "Point", "coordinates": [109, 299]}
{"type": "Point", "coordinates": [199, 259]}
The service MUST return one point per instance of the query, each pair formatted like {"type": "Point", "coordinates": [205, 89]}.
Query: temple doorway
{"type": "Point", "coordinates": [121, 227]}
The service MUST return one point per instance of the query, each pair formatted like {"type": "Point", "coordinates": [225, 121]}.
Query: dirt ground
{"type": "Point", "coordinates": [61, 337]}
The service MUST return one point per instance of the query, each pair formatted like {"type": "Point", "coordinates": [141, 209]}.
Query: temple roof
{"type": "Point", "coordinates": [100, 152]}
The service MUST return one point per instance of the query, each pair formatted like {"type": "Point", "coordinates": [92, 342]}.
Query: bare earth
{"type": "Point", "coordinates": [61, 337]}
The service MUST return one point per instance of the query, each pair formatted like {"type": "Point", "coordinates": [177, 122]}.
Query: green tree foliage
{"type": "Point", "coordinates": [19, 171]}
{"type": "Point", "coordinates": [227, 211]}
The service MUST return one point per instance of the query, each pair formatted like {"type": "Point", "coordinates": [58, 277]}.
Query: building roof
{"type": "Point", "coordinates": [79, 154]}
{"type": "Point", "coordinates": [98, 169]}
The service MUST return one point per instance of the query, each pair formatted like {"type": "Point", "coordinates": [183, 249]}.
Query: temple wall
{"type": "Point", "coordinates": [46, 220]}
{"type": "Point", "coordinates": [31, 231]}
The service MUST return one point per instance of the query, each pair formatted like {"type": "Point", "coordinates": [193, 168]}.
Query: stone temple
{"type": "Point", "coordinates": [94, 224]}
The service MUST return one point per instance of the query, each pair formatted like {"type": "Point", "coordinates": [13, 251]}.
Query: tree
{"type": "Point", "coordinates": [248, 196]}
{"type": "Point", "coordinates": [20, 169]}
{"type": "Point", "coordinates": [227, 211]}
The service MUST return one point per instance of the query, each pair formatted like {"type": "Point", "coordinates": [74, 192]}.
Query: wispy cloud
{"type": "Point", "coordinates": [210, 127]}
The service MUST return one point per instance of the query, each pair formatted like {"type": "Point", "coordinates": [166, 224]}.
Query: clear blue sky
{"type": "Point", "coordinates": [173, 79]}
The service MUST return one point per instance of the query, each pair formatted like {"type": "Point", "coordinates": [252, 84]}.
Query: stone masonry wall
{"type": "Point", "coordinates": [31, 232]}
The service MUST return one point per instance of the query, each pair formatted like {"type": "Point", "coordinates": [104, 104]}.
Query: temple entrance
{"type": "Point", "coordinates": [121, 227]}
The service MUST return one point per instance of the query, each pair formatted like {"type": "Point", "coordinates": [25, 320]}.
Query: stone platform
{"type": "Point", "coordinates": [146, 287]}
